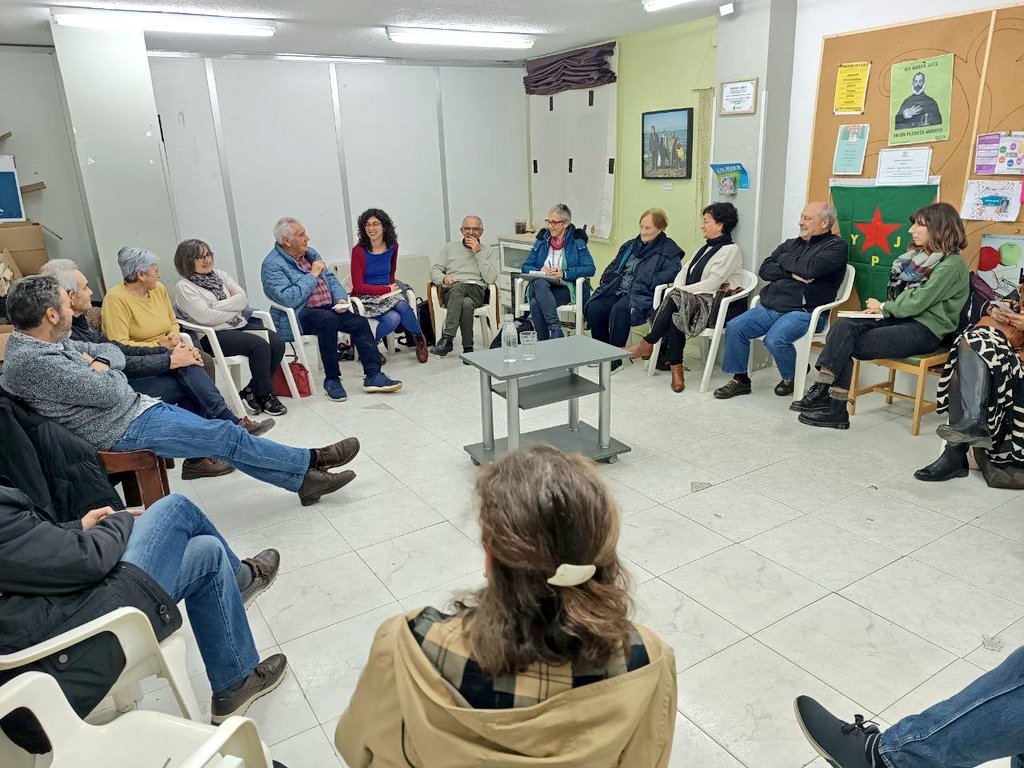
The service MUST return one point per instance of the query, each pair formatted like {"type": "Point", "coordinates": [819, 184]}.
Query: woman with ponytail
{"type": "Point", "coordinates": [540, 666]}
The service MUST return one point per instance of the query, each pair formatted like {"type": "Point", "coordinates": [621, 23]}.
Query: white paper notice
{"type": "Point", "coordinates": [903, 167]}
{"type": "Point", "coordinates": [991, 201]}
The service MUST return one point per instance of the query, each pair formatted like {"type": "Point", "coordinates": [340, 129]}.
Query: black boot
{"type": "Point", "coordinates": [952, 463]}
{"type": "Point", "coordinates": [833, 415]}
{"type": "Point", "coordinates": [443, 347]}
{"type": "Point", "coordinates": [816, 398]}
{"type": "Point", "coordinates": [972, 382]}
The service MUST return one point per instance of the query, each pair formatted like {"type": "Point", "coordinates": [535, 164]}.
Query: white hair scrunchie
{"type": "Point", "coordinates": [568, 575]}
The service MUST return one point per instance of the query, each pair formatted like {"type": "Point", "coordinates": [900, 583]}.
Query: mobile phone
{"type": "Point", "coordinates": [1002, 306]}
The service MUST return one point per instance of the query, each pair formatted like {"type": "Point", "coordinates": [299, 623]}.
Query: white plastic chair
{"type": "Point", "coordinates": [487, 316]}
{"type": "Point", "coordinates": [144, 657]}
{"type": "Point", "coordinates": [803, 344]}
{"type": "Point", "coordinates": [390, 342]}
{"type": "Point", "coordinates": [659, 296]}
{"type": "Point", "coordinates": [573, 312]}
{"type": "Point", "coordinates": [230, 366]}
{"type": "Point", "coordinates": [138, 739]}
{"type": "Point", "coordinates": [300, 342]}
{"type": "Point", "coordinates": [746, 283]}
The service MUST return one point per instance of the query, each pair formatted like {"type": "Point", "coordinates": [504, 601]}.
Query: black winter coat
{"type": "Point", "coordinates": [660, 262]}
{"type": "Point", "coordinates": [56, 469]}
{"type": "Point", "coordinates": [823, 260]}
{"type": "Point", "coordinates": [57, 577]}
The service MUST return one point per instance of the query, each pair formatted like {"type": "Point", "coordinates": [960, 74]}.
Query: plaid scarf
{"type": "Point", "coordinates": [321, 295]}
{"type": "Point", "coordinates": [210, 282]}
{"type": "Point", "coordinates": [910, 271]}
{"type": "Point", "coordinates": [441, 638]}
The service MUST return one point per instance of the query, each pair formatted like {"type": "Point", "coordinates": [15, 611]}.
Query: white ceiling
{"type": "Point", "coordinates": [356, 28]}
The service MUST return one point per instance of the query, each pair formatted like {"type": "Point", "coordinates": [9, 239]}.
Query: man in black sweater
{"type": "Point", "coordinates": [802, 274]}
{"type": "Point", "coordinates": [176, 377]}
{"type": "Point", "coordinates": [54, 578]}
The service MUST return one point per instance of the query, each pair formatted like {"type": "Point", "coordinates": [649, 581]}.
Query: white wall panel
{"type": "Point", "coordinates": [282, 156]}
{"type": "Point", "coordinates": [389, 124]}
{"type": "Point", "coordinates": [190, 144]}
{"type": "Point", "coordinates": [485, 131]}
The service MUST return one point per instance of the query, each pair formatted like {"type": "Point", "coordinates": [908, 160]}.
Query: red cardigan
{"type": "Point", "coordinates": [359, 284]}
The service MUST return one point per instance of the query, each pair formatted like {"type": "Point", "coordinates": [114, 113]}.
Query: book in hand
{"type": "Point", "coordinates": [860, 315]}
{"type": "Point", "coordinates": [537, 275]}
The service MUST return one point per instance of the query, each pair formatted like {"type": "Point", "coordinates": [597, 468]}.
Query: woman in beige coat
{"type": "Point", "coordinates": [541, 666]}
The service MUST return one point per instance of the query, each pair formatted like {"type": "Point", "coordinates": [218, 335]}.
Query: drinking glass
{"type": "Point", "coordinates": [528, 341]}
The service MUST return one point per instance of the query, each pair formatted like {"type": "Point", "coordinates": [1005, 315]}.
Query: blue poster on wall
{"type": "Point", "coordinates": [11, 207]}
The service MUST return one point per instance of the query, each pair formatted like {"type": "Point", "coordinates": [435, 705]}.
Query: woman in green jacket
{"type": "Point", "coordinates": [926, 294]}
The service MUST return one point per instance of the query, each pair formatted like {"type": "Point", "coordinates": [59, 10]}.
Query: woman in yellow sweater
{"type": "Point", "coordinates": [138, 311]}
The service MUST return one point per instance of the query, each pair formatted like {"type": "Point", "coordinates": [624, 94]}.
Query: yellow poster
{"type": "Point", "coordinates": [851, 88]}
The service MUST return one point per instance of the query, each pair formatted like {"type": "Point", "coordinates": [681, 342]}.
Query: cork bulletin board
{"type": "Point", "coordinates": [987, 96]}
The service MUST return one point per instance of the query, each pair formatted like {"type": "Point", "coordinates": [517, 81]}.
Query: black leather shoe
{"type": "Point", "coordinates": [967, 434]}
{"type": "Point", "coordinates": [250, 401]}
{"type": "Point", "coordinates": [784, 388]}
{"type": "Point", "coordinates": [443, 347]}
{"type": "Point", "coordinates": [265, 678]}
{"type": "Point", "coordinates": [952, 462]}
{"type": "Point", "coordinates": [270, 404]}
{"type": "Point", "coordinates": [815, 399]}
{"type": "Point", "coordinates": [834, 415]}
{"type": "Point", "coordinates": [733, 388]}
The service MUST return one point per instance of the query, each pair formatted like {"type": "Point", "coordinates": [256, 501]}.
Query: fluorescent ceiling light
{"type": "Point", "coordinates": [329, 59]}
{"type": "Point", "coordinates": [468, 38]}
{"type": "Point", "coordinates": [162, 22]}
{"type": "Point", "coordinates": [660, 5]}
{"type": "Point", "coordinates": [726, 8]}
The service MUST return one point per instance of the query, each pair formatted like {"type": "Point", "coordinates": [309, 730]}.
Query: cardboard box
{"type": "Point", "coordinates": [5, 334]}
{"type": "Point", "coordinates": [24, 240]}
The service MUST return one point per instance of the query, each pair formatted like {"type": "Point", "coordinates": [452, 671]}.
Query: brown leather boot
{"type": "Point", "coordinates": [422, 353]}
{"type": "Point", "coordinates": [338, 454]}
{"type": "Point", "coordinates": [678, 378]}
{"type": "Point", "coordinates": [642, 348]}
{"type": "Point", "coordinates": [193, 469]}
{"type": "Point", "coordinates": [318, 483]}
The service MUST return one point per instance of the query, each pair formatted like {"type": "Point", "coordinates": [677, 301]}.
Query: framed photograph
{"type": "Point", "coordinates": [667, 144]}
{"type": "Point", "coordinates": [738, 97]}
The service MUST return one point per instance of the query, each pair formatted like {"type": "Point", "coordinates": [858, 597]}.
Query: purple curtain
{"type": "Point", "coordinates": [582, 68]}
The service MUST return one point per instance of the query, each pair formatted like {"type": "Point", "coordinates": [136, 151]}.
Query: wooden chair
{"type": "Point", "coordinates": [917, 365]}
{"type": "Point", "coordinates": [142, 474]}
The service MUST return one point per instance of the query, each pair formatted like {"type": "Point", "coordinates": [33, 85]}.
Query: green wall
{"type": "Point", "coordinates": [657, 70]}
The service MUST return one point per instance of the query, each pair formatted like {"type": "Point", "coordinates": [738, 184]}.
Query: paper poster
{"type": "Point", "coordinates": [1000, 262]}
{"type": "Point", "coordinates": [851, 88]}
{"type": "Point", "coordinates": [1000, 153]}
{"type": "Point", "coordinates": [731, 177]}
{"type": "Point", "coordinates": [11, 206]}
{"type": "Point", "coordinates": [851, 144]}
{"type": "Point", "coordinates": [739, 97]}
{"type": "Point", "coordinates": [991, 201]}
{"type": "Point", "coordinates": [919, 99]}
{"type": "Point", "coordinates": [903, 167]}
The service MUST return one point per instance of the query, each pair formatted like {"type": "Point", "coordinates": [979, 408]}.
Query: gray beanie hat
{"type": "Point", "coordinates": [132, 260]}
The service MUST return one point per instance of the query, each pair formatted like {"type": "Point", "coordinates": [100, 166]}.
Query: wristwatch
{"type": "Point", "coordinates": [100, 360]}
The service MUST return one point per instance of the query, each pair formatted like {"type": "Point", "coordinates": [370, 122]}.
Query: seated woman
{"type": "Point", "coordinates": [138, 312]}
{"type": "Point", "coordinates": [685, 310]}
{"type": "Point", "coordinates": [210, 297]}
{"type": "Point", "coordinates": [542, 665]}
{"type": "Point", "coordinates": [926, 294]}
{"type": "Point", "coordinates": [626, 293]}
{"type": "Point", "coordinates": [985, 360]}
{"type": "Point", "coordinates": [561, 253]}
{"type": "Point", "coordinates": [374, 261]}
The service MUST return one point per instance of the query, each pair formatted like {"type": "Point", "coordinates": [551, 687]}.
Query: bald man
{"type": "Point", "coordinates": [802, 274]}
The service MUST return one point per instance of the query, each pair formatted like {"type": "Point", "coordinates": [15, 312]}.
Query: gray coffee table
{"type": "Point", "coordinates": [552, 377]}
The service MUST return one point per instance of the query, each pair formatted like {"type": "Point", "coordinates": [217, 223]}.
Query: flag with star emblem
{"type": "Point", "coordinates": [875, 223]}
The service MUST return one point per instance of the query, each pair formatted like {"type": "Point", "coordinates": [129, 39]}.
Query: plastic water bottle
{"type": "Point", "coordinates": [509, 342]}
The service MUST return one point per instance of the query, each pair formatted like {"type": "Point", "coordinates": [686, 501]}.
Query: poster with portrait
{"type": "Point", "coordinates": [919, 98]}
{"type": "Point", "coordinates": [666, 144]}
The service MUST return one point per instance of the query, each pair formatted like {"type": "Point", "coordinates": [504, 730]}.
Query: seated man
{"type": "Point", "coordinates": [462, 272]}
{"type": "Point", "coordinates": [83, 387]}
{"type": "Point", "coordinates": [175, 376]}
{"type": "Point", "coordinates": [802, 274]}
{"type": "Point", "coordinates": [58, 577]}
{"type": "Point", "coordinates": [295, 276]}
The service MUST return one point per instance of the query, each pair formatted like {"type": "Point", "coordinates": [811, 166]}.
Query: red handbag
{"type": "Point", "coordinates": [299, 373]}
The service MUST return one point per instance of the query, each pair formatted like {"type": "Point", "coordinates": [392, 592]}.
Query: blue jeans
{"type": "Point", "coordinates": [326, 324]}
{"type": "Point", "coordinates": [401, 314]}
{"type": "Point", "coordinates": [984, 721]}
{"type": "Point", "coordinates": [179, 548]}
{"type": "Point", "coordinates": [189, 388]}
{"type": "Point", "coordinates": [175, 433]}
{"type": "Point", "coordinates": [545, 299]}
{"type": "Point", "coordinates": [780, 330]}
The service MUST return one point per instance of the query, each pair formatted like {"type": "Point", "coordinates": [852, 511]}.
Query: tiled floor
{"type": "Point", "coordinates": [776, 559]}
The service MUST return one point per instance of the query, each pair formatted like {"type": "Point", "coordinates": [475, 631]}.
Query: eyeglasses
{"type": "Point", "coordinates": [373, 224]}
{"type": "Point", "coordinates": [553, 222]}
{"type": "Point", "coordinates": [205, 257]}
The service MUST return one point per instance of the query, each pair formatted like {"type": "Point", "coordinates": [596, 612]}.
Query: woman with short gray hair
{"type": "Point", "coordinates": [138, 312]}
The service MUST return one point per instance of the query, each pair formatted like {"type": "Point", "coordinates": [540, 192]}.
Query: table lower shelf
{"type": "Point", "coordinates": [584, 441]}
